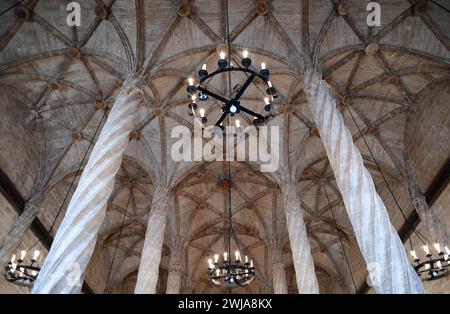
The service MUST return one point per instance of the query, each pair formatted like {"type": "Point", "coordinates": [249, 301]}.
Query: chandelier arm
{"type": "Point", "coordinates": [250, 112]}
{"type": "Point", "coordinates": [222, 117]}
{"type": "Point", "coordinates": [212, 94]}
{"type": "Point", "coordinates": [244, 87]}
{"type": "Point", "coordinates": [232, 69]}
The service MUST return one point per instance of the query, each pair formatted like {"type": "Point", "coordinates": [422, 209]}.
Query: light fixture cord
{"type": "Point", "coordinates": [383, 176]}
{"type": "Point", "coordinates": [118, 240]}
{"type": "Point", "coordinates": [229, 120]}
{"type": "Point", "coordinates": [441, 6]}
{"type": "Point", "coordinates": [230, 228]}
{"type": "Point", "coordinates": [340, 239]}
{"type": "Point", "coordinates": [12, 7]}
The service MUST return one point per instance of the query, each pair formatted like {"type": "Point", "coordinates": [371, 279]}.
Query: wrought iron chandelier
{"type": "Point", "coordinates": [228, 272]}
{"type": "Point", "coordinates": [232, 105]}
{"type": "Point", "coordinates": [22, 273]}
{"type": "Point", "coordinates": [432, 267]}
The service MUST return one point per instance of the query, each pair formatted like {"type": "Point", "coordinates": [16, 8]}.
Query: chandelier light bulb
{"type": "Point", "coordinates": [238, 124]}
{"type": "Point", "coordinates": [427, 266]}
{"type": "Point", "coordinates": [13, 258]}
{"type": "Point", "coordinates": [447, 250]}
{"type": "Point", "coordinates": [23, 254]}
{"type": "Point", "coordinates": [437, 247]}
{"type": "Point", "coordinates": [237, 255]}
{"type": "Point", "coordinates": [14, 266]}
{"type": "Point", "coordinates": [216, 258]}
{"type": "Point", "coordinates": [413, 254]}
{"type": "Point", "coordinates": [218, 272]}
{"type": "Point", "coordinates": [251, 263]}
{"type": "Point", "coordinates": [269, 83]}
{"type": "Point", "coordinates": [445, 257]}
{"type": "Point", "coordinates": [34, 273]}
{"type": "Point", "coordinates": [222, 55]}
{"type": "Point", "coordinates": [36, 255]}
{"type": "Point", "coordinates": [263, 66]}
{"type": "Point", "coordinates": [210, 263]}
{"type": "Point", "coordinates": [246, 260]}
{"type": "Point", "coordinates": [439, 264]}
{"type": "Point", "coordinates": [245, 54]}
{"type": "Point", "coordinates": [225, 256]}
{"type": "Point", "coordinates": [191, 81]}
{"type": "Point", "coordinates": [202, 112]}
{"type": "Point", "coordinates": [204, 66]}
{"type": "Point", "coordinates": [266, 100]}
{"type": "Point", "coordinates": [193, 98]}
{"type": "Point", "coordinates": [426, 249]}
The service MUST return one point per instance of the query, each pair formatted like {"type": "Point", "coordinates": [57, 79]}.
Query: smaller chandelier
{"type": "Point", "coordinates": [432, 268]}
{"type": "Point", "coordinates": [230, 273]}
{"type": "Point", "coordinates": [22, 273]}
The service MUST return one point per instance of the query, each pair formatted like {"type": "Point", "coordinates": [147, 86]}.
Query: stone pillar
{"type": "Point", "coordinates": [278, 270]}
{"type": "Point", "coordinates": [174, 279]}
{"type": "Point", "coordinates": [154, 238]}
{"type": "Point", "coordinates": [384, 254]}
{"type": "Point", "coordinates": [15, 236]}
{"type": "Point", "coordinates": [64, 267]}
{"type": "Point", "coordinates": [432, 225]}
{"type": "Point", "coordinates": [176, 266]}
{"type": "Point", "coordinates": [301, 250]}
{"type": "Point", "coordinates": [279, 278]}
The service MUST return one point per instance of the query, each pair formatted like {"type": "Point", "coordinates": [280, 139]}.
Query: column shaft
{"type": "Point", "coordinates": [279, 278]}
{"type": "Point", "coordinates": [65, 265]}
{"type": "Point", "coordinates": [174, 280]}
{"type": "Point", "coordinates": [389, 268]}
{"type": "Point", "coordinates": [154, 238]}
{"type": "Point", "coordinates": [301, 250]}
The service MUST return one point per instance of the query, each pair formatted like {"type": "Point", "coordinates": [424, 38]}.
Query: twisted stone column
{"type": "Point", "coordinates": [432, 225]}
{"type": "Point", "coordinates": [174, 279]}
{"type": "Point", "coordinates": [154, 238]}
{"type": "Point", "coordinates": [65, 265]}
{"type": "Point", "coordinates": [15, 236]}
{"type": "Point", "coordinates": [301, 250]}
{"type": "Point", "coordinates": [176, 266]}
{"type": "Point", "coordinates": [279, 278]}
{"type": "Point", "coordinates": [383, 252]}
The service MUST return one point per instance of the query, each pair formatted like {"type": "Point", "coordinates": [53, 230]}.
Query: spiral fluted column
{"type": "Point", "coordinates": [174, 279]}
{"type": "Point", "coordinates": [279, 278]}
{"type": "Point", "coordinates": [431, 223]}
{"type": "Point", "coordinates": [64, 267]}
{"type": "Point", "coordinates": [154, 238]}
{"type": "Point", "coordinates": [301, 250]}
{"type": "Point", "coordinates": [389, 268]}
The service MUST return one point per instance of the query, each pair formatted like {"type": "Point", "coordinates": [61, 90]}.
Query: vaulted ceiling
{"type": "Point", "coordinates": [57, 81]}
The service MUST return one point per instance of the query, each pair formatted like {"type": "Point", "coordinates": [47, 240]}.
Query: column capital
{"type": "Point", "coordinates": [134, 83]}
{"type": "Point", "coordinates": [176, 267]}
